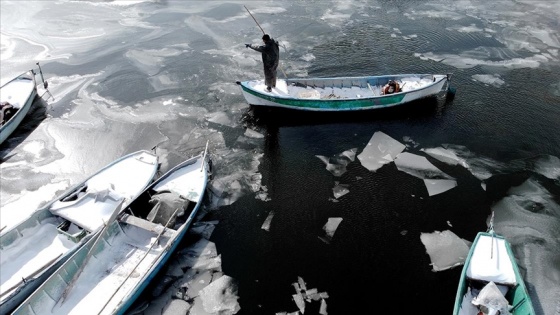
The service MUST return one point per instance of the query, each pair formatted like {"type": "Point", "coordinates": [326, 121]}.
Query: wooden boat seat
{"type": "Point", "coordinates": [143, 224]}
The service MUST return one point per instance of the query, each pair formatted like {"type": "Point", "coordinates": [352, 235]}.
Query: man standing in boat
{"type": "Point", "coordinates": [270, 57]}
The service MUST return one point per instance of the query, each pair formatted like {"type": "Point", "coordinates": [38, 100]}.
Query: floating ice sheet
{"type": "Point", "coordinates": [445, 156]}
{"type": "Point", "coordinates": [548, 166]}
{"type": "Point", "coordinates": [446, 250]}
{"type": "Point", "coordinates": [220, 296]}
{"type": "Point", "coordinates": [329, 228]}
{"type": "Point", "coordinates": [481, 167]}
{"type": "Point", "coordinates": [304, 295]}
{"type": "Point", "coordinates": [340, 190]}
{"type": "Point", "coordinates": [266, 225]}
{"type": "Point", "coordinates": [253, 134]}
{"type": "Point", "coordinates": [419, 166]}
{"type": "Point", "coordinates": [337, 163]}
{"type": "Point", "coordinates": [437, 186]}
{"type": "Point", "coordinates": [380, 150]}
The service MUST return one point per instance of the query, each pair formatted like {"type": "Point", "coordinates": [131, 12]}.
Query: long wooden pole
{"type": "Point", "coordinates": [263, 34]}
{"type": "Point", "coordinates": [255, 20]}
{"type": "Point", "coordinates": [23, 280]}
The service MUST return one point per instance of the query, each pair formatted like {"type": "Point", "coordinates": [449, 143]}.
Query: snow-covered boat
{"type": "Point", "coordinates": [33, 249]}
{"type": "Point", "coordinates": [109, 273]}
{"type": "Point", "coordinates": [345, 93]}
{"type": "Point", "coordinates": [490, 281]}
{"type": "Point", "coordinates": [16, 98]}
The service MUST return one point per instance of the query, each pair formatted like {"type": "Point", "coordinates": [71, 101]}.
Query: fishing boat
{"type": "Point", "coordinates": [490, 281]}
{"type": "Point", "coordinates": [33, 249]}
{"type": "Point", "coordinates": [16, 98]}
{"type": "Point", "coordinates": [345, 93]}
{"type": "Point", "coordinates": [109, 273]}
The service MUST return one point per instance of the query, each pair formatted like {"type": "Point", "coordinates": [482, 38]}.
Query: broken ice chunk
{"type": "Point", "coordinates": [437, 186]}
{"type": "Point", "coordinates": [340, 190]}
{"type": "Point", "coordinates": [220, 296]}
{"type": "Point", "coordinates": [329, 228]}
{"type": "Point", "coordinates": [419, 166]}
{"type": "Point", "coordinates": [446, 250]}
{"type": "Point", "coordinates": [266, 224]}
{"type": "Point", "coordinates": [445, 156]}
{"type": "Point", "coordinates": [380, 150]}
{"type": "Point", "coordinates": [298, 298]}
{"type": "Point", "coordinates": [337, 164]}
{"type": "Point", "coordinates": [253, 134]}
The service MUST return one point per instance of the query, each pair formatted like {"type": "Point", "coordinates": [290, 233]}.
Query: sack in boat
{"type": "Point", "coordinates": [165, 204]}
{"type": "Point", "coordinates": [491, 301]}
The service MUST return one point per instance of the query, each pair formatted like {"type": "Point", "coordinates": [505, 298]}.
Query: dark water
{"type": "Point", "coordinates": [133, 75]}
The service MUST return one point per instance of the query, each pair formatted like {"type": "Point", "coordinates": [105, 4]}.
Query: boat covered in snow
{"type": "Point", "coordinates": [33, 249]}
{"type": "Point", "coordinates": [345, 93]}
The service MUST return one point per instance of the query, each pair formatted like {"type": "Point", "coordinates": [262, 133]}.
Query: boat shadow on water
{"type": "Point", "coordinates": [423, 108]}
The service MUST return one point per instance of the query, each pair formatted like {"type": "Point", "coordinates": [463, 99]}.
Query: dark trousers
{"type": "Point", "coordinates": [270, 76]}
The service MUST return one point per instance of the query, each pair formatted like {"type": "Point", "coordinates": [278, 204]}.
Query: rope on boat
{"type": "Point", "coordinates": [45, 83]}
{"type": "Point", "coordinates": [491, 231]}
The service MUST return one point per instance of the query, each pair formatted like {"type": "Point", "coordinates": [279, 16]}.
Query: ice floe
{"type": "Point", "coordinates": [419, 166]}
{"type": "Point", "coordinates": [304, 295]}
{"type": "Point", "coordinates": [337, 163]}
{"type": "Point", "coordinates": [340, 190]}
{"type": "Point", "coordinates": [445, 156]}
{"type": "Point", "coordinates": [329, 228]}
{"type": "Point", "coordinates": [446, 250]}
{"type": "Point", "coordinates": [203, 288]}
{"type": "Point", "coordinates": [266, 224]}
{"type": "Point", "coordinates": [438, 186]}
{"type": "Point", "coordinates": [380, 150]}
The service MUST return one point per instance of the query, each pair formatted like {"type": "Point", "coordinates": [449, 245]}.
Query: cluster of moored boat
{"type": "Point", "coordinates": [95, 248]}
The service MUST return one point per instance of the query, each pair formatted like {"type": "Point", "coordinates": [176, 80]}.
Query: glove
{"type": "Point", "coordinates": [247, 45]}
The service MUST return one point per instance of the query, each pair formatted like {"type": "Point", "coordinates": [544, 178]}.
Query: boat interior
{"type": "Point", "coordinates": [165, 208]}
{"type": "Point", "coordinates": [490, 276]}
{"type": "Point", "coordinates": [342, 88]}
